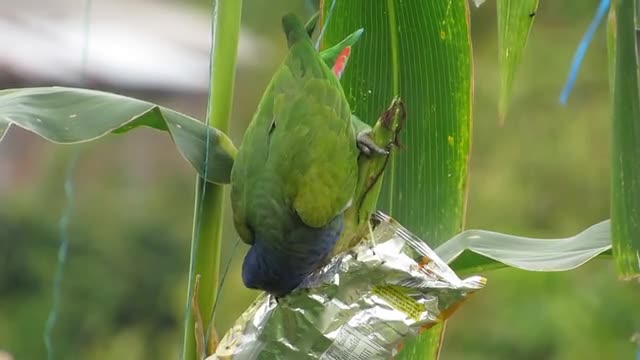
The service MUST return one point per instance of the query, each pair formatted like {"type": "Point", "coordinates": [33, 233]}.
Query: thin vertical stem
{"type": "Point", "coordinates": [208, 211]}
{"type": "Point", "coordinates": [625, 144]}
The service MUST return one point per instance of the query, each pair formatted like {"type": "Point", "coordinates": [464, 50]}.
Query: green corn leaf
{"type": "Point", "coordinates": [515, 18]}
{"type": "Point", "coordinates": [480, 250]}
{"type": "Point", "coordinates": [418, 50]}
{"type": "Point", "coordinates": [625, 152]}
{"type": "Point", "coordinates": [68, 116]}
{"type": "Point", "coordinates": [611, 49]}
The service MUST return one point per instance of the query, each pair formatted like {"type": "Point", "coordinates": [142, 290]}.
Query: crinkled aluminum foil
{"type": "Point", "coordinates": [362, 305]}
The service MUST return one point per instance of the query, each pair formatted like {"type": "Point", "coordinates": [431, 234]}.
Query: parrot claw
{"type": "Point", "coordinates": [367, 146]}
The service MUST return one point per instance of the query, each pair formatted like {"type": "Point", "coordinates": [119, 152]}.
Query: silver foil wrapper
{"type": "Point", "coordinates": [362, 305]}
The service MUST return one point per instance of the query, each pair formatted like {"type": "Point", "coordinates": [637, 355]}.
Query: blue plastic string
{"type": "Point", "coordinates": [63, 249]}
{"type": "Point", "coordinates": [582, 50]}
{"type": "Point", "coordinates": [67, 213]}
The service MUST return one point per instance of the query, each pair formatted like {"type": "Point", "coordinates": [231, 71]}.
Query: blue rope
{"type": "Point", "coordinates": [63, 250]}
{"type": "Point", "coordinates": [582, 50]}
{"type": "Point", "coordinates": [67, 213]}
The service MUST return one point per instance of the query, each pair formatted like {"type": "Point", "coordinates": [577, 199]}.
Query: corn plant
{"type": "Point", "coordinates": [418, 50]}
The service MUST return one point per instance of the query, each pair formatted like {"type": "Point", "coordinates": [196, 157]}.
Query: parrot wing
{"type": "Point", "coordinates": [314, 144]}
{"type": "Point", "coordinates": [312, 139]}
{"type": "Point", "coordinates": [299, 152]}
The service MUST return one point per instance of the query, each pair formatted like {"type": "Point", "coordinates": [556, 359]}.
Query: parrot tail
{"type": "Point", "coordinates": [294, 30]}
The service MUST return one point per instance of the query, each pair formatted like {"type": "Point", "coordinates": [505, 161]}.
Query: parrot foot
{"type": "Point", "coordinates": [367, 146]}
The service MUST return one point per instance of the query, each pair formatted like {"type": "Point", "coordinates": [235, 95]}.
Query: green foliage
{"type": "Point", "coordinates": [420, 51]}
{"type": "Point", "coordinates": [515, 19]}
{"type": "Point", "coordinates": [544, 174]}
{"type": "Point", "coordinates": [625, 153]}
{"type": "Point", "coordinates": [71, 116]}
{"type": "Point", "coordinates": [106, 293]}
{"type": "Point", "coordinates": [475, 251]}
{"type": "Point", "coordinates": [206, 239]}
{"type": "Point", "coordinates": [533, 316]}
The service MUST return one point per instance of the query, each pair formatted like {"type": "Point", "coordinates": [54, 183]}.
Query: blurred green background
{"type": "Point", "coordinates": [545, 173]}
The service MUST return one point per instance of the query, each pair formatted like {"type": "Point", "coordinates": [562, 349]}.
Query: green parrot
{"type": "Point", "coordinates": [297, 168]}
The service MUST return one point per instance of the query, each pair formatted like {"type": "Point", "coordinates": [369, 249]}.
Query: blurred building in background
{"type": "Point", "coordinates": [154, 50]}
{"type": "Point", "coordinates": [132, 45]}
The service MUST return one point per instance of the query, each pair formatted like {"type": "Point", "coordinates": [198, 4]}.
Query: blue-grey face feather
{"type": "Point", "coordinates": [280, 270]}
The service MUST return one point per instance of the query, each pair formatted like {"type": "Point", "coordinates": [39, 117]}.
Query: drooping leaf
{"type": "Point", "coordinates": [68, 116]}
{"type": "Point", "coordinates": [625, 152]}
{"type": "Point", "coordinates": [420, 51]}
{"type": "Point", "coordinates": [515, 18]}
{"type": "Point", "coordinates": [480, 250]}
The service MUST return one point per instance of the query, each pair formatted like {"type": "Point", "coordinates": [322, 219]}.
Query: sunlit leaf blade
{"type": "Point", "coordinates": [479, 250]}
{"type": "Point", "coordinates": [68, 116]}
{"type": "Point", "coordinates": [425, 184]}
{"type": "Point", "coordinates": [419, 50]}
{"type": "Point", "coordinates": [625, 152]}
{"type": "Point", "coordinates": [515, 18]}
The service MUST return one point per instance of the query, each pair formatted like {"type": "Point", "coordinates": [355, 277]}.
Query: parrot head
{"type": "Point", "coordinates": [265, 269]}
{"type": "Point", "coordinates": [279, 272]}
